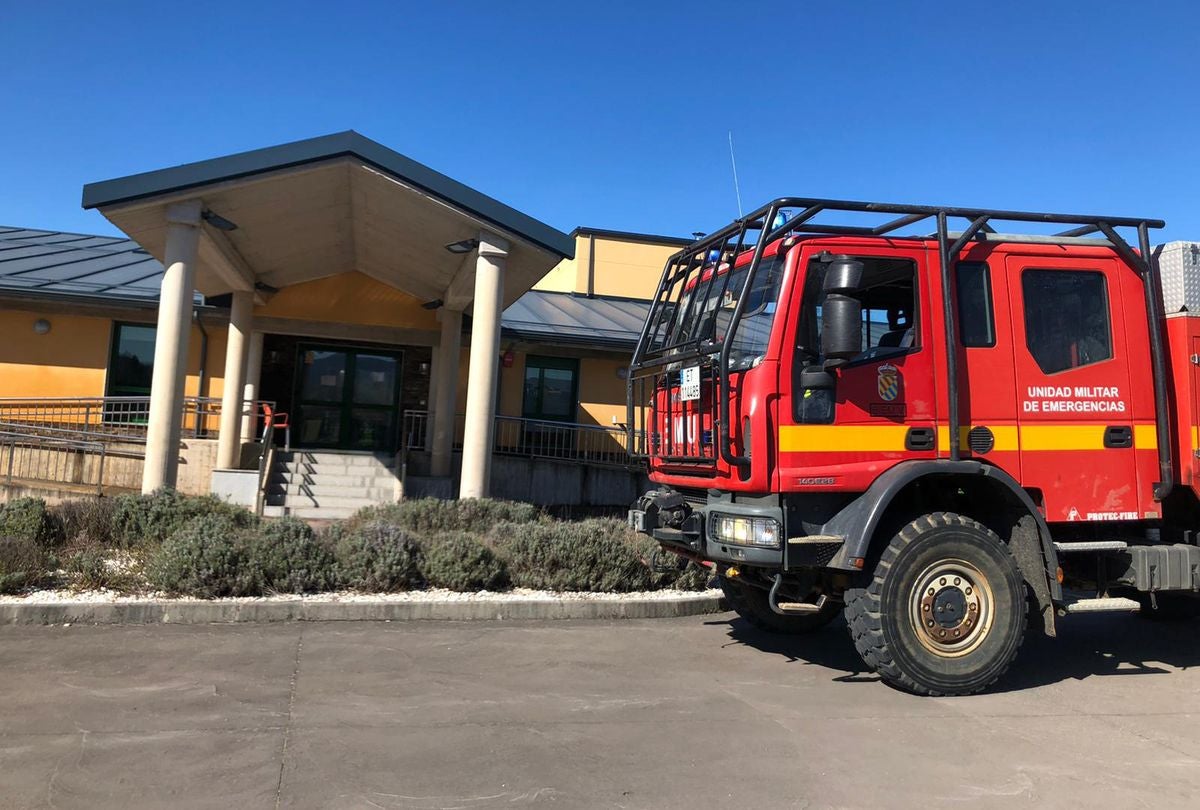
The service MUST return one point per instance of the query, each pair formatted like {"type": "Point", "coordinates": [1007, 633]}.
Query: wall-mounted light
{"type": "Point", "coordinates": [437, 303]}
{"type": "Point", "coordinates": [41, 326]}
{"type": "Point", "coordinates": [217, 221]}
{"type": "Point", "coordinates": [622, 372]}
{"type": "Point", "coordinates": [463, 246]}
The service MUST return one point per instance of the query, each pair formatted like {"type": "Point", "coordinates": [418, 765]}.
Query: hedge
{"type": "Point", "coordinates": [201, 546]}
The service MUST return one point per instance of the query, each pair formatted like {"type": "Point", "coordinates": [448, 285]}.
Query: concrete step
{"type": "Point", "coordinates": [336, 459]}
{"type": "Point", "coordinates": [328, 479]}
{"type": "Point", "coordinates": [349, 502]}
{"type": "Point", "coordinates": [338, 490]}
{"type": "Point", "coordinates": [310, 512]}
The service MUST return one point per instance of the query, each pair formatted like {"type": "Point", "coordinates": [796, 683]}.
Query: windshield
{"type": "Point", "coordinates": [706, 308]}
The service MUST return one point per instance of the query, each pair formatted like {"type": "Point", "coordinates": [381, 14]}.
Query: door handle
{"type": "Point", "coordinates": [919, 438]}
{"type": "Point", "coordinates": [1118, 436]}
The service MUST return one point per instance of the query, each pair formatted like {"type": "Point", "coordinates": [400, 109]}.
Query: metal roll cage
{"type": "Point", "coordinates": [692, 258]}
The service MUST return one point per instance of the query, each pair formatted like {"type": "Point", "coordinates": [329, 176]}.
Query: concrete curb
{"type": "Point", "coordinates": [168, 611]}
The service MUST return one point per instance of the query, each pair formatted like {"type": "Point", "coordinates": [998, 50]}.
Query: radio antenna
{"type": "Point", "coordinates": [733, 162]}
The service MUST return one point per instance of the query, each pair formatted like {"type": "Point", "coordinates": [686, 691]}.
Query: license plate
{"type": "Point", "coordinates": [689, 384]}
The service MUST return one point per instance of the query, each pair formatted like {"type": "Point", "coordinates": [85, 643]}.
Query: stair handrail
{"type": "Point", "coordinates": [265, 457]}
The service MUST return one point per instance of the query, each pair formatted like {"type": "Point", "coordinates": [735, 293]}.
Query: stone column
{"type": "Point", "coordinates": [237, 345]}
{"type": "Point", "coordinates": [171, 346]}
{"type": "Point", "coordinates": [445, 394]}
{"type": "Point", "coordinates": [485, 360]}
{"type": "Point", "coordinates": [250, 389]}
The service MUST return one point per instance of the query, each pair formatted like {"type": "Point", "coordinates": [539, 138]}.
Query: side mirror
{"type": "Point", "coordinates": [815, 377]}
{"type": "Point", "coordinates": [841, 312]}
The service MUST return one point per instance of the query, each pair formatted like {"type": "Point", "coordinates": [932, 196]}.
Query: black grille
{"type": "Point", "coordinates": [980, 440]}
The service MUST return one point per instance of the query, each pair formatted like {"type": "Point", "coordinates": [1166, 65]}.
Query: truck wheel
{"type": "Point", "coordinates": [752, 605]}
{"type": "Point", "coordinates": [943, 612]}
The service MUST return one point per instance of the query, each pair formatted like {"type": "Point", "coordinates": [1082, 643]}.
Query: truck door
{"type": "Point", "coordinates": [1074, 403]}
{"type": "Point", "coordinates": [882, 408]}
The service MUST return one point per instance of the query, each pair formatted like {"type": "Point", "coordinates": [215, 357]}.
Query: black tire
{"type": "Point", "coordinates": [752, 605]}
{"type": "Point", "coordinates": [911, 617]}
{"type": "Point", "coordinates": [1172, 606]}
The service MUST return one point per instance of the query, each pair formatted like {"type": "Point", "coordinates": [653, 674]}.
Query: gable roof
{"type": "Point", "coordinates": [327, 147]}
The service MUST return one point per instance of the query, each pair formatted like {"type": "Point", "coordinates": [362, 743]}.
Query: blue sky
{"type": "Point", "coordinates": [615, 115]}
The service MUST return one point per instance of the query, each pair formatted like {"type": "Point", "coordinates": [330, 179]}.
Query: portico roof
{"type": "Point", "coordinates": [330, 205]}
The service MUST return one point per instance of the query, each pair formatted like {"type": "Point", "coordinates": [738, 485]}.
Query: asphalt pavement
{"type": "Point", "coordinates": [675, 713]}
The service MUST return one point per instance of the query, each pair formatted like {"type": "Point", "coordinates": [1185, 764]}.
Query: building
{"type": "Point", "coordinates": [359, 292]}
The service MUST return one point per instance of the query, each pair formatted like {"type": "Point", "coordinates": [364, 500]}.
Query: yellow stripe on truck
{"type": "Point", "coordinates": [1062, 437]}
{"type": "Point", "coordinates": [1006, 438]}
{"type": "Point", "coordinates": [841, 438]}
{"type": "Point", "coordinates": [1145, 437]}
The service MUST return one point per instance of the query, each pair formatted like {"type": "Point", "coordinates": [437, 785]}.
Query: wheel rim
{"type": "Point", "coordinates": [951, 608]}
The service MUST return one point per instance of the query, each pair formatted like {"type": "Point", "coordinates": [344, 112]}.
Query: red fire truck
{"type": "Point", "coordinates": [947, 434]}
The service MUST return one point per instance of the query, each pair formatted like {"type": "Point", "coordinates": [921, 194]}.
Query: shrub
{"type": "Point", "coordinates": [461, 562]}
{"type": "Point", "coordinates": [288, 557]}
{"type": "Point", "coordinates": [427, 515]}
{"type": "Point", "coordinates": [206, 558]}
{"type": "Point", "coordinates": [23, 563]}
{"type": "Point", "coordinates": [591, 555]}
{"type": "Point", "coordinates": [88, 521]}
{"type": "Point", "coordinates": [148, 520]}
{"type": "Point", "coordinates": [93, 568]}
{"type": "Point", "coordinates": [30, 519]}
{"type": "Point", "coordinates": [377, 556]}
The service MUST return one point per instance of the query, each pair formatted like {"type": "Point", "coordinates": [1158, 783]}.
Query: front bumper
{"type": "Point", "coordinates": [674, 522]}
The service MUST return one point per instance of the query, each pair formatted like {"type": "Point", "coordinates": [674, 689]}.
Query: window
{"type": "Point", "coordinates": [888, 293]}
{"type": "Point", "coordinates": [551, 388]}
{"type": "Point", "coordinates": [131, 363]}
{"type": "Point", "coordinates": [1067, 321]}
{"type": "Point", "coordinates": [976, 321]}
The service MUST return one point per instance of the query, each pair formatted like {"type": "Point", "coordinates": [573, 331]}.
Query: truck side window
{"type": "Point", "coordinates": [1067, 322]}
{"type": "Point", "coordinates": [976, 321]}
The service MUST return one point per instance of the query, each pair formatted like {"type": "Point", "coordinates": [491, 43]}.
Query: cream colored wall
{"type": "Point", "coordinates": [623, 268]}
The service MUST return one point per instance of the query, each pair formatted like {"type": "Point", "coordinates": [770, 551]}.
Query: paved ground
{"type": "Point", "coordinates": [695, 712]}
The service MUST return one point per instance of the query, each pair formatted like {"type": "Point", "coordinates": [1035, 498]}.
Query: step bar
{"type": "Point", "coordinates": [1091, 545]}
{"type": "Point", "coordinates": [1106, 604]}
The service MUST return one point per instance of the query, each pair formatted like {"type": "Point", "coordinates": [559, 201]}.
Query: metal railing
{"type": "Point", "coordinates": [122, 419]}
{"type": "Point", "coordinates": [535, 438]}
{"type": "Point", "coordinates": [54, 459]}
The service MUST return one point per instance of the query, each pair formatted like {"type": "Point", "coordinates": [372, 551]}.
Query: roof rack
{"type": "Point", "coordinates": [773, 222]}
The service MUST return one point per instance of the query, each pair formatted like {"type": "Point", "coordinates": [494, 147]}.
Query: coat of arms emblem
{"type": "Point", "coordinates": [889, 382]}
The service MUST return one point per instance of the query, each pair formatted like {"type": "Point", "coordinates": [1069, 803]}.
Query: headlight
{"type": "Point", "coordinates": [744, 531]}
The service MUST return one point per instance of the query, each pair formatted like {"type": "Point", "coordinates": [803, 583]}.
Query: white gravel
{"type": "Point", "coordinates": [431, 595]}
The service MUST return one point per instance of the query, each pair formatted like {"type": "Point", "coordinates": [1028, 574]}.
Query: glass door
{"type": "Point", "coordinates": [347, 399]}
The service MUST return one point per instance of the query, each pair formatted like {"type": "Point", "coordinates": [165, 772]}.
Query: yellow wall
{"type": "Point", "coordinates": [349, 298]}
{"type": "Point", "coordinates": [623, 268]}
{"type": "Point", "coordinates": [70, 361]}
{"type": "Point", "coordinates": [601, 391]}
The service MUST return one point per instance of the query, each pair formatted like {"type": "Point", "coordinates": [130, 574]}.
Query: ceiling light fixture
{"type": "Point", "coordinates": [217, 221]}
{"type": "Point", "coordinates": [463, 246]}
{"type": "Point", "coordinates": [435, 304]}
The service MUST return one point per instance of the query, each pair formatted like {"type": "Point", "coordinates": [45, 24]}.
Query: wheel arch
{"type": "Point", "coordinates": [971, 488]}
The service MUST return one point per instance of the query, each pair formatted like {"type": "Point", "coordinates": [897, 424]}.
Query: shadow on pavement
{"type": "Point", "coordinates": [1086, 646]}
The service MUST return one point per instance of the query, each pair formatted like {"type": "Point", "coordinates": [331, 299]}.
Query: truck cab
{"type": "Point", "coordinates": [915, 426]}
